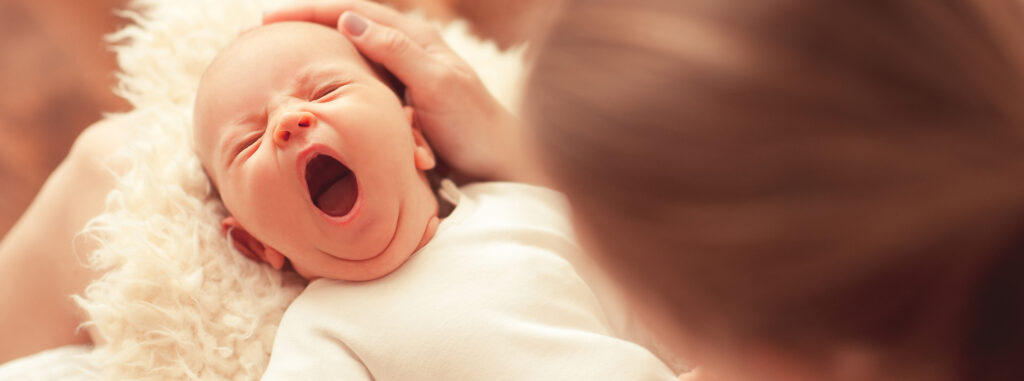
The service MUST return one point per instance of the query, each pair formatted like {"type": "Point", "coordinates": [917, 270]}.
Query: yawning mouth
{"type": "Point", "coordinates": [332, 186]}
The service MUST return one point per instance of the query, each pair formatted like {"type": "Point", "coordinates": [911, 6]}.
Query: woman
{"type": "Point", "coordinates": [791, 190]}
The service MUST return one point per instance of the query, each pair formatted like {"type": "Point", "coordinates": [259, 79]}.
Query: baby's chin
{"type": "Point", "coordinates": [391, 260]}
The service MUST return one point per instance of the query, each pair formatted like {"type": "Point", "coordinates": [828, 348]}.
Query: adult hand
{"type": "Point", "coordinates": [466, 126]}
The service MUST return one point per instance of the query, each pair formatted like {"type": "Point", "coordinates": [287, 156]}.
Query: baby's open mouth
{"type": "Point", "coordinates": [332, 186]}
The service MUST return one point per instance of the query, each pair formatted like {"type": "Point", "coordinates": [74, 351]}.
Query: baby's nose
{"type": "Point", "coordinates": [291, 124]}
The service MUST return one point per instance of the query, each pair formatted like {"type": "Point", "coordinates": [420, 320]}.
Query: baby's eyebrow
{"type": "Point", "coordinates": [311, 74]}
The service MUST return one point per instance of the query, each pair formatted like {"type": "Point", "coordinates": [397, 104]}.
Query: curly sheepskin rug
{"type": "Point", "coordinates": [176, 301]}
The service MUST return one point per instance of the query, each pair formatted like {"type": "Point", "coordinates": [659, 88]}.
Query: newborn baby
{"type": "Point", "coordinates": [322, 167]}
{"type": "Point", "coordinates": [314, 155]}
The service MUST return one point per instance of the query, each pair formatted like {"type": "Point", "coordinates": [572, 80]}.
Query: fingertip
{"type": "Point", "coordinates": [289, 12]}
{"type": "Point", "coordinates": [269, 17]}
{"type": "Point", "coordinates": [353, 24]}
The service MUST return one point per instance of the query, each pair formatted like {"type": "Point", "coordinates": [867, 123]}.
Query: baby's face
{"type": "Point", "coordinates": [313, 154]}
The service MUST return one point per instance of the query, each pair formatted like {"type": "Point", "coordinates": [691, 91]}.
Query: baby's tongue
{"type": "Point", "coordinates": [338, 199]}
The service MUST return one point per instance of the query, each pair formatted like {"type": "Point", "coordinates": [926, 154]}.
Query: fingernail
{"type": "Point", "coordinates": [354, 24]}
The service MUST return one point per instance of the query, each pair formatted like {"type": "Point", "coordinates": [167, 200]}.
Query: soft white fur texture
{"type": "Point", "coordinates": [176, 301]}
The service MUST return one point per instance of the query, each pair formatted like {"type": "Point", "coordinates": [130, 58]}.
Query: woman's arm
{"type": "Point", "coordinates": [41, 258]}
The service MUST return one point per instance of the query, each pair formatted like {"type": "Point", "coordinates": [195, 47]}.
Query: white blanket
{"type": "Point", "coordinates": [68, 363]}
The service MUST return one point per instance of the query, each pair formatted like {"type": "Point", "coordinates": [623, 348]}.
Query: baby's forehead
{"type": "Point", "coordinates": [277, 55]}
{"type": "Point", "coordinates": [276, 41]}
{"type": "Point", "coordinates": [294, 31]}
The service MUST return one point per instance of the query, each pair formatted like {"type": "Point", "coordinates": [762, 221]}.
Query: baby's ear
{"type": "Point", "coordinates": [248, 245]}
{"type": "Point", "coordinates": [423, 156]}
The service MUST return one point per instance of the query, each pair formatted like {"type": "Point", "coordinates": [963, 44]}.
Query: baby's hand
{"type": "Point", "coordinates": [466, 126]}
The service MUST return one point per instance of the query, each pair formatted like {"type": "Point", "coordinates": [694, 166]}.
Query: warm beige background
{"type": "Point", "coordinates": [56, 74]}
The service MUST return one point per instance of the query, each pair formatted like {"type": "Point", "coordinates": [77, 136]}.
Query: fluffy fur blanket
{"type": "Point", "coordinates": [176, 301]}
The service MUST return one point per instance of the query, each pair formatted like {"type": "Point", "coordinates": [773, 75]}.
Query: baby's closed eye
{"type": "Point", "coordinates": [250, 140]}
{"type": "Point", "coordinates": [327, 92]}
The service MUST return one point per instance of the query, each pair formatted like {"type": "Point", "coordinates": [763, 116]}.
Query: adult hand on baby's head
{"type": "Point", "coordinates": [467, 127]}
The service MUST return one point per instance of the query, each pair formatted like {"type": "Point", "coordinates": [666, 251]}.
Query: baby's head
{"type": "Point", "coordinates": [315, 157]}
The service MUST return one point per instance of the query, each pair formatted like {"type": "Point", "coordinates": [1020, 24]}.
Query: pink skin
{"type": "Point", "coordinates": [273, 100]}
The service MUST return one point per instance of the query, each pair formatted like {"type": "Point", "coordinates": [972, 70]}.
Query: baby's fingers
{"type": "Point", "coordinates": [320, 12]}
{"type": "Point", "coordinates": [389, 47]}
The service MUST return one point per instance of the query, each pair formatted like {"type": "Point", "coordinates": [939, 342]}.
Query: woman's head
{"type": "Point", "coordinates": [805, 174]}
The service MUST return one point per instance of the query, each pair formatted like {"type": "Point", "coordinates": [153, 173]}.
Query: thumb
{"type": "Point", "coordinates": [389, 47]}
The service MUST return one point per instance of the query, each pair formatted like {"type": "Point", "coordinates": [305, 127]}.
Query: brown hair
{"type": "Point", "coordinates": [802, 172]}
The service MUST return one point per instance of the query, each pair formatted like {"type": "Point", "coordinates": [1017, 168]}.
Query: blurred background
{"type": "Point", "coordinates": [55, 79]}
{"type": "Point", "coordinates": [56, 75]}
